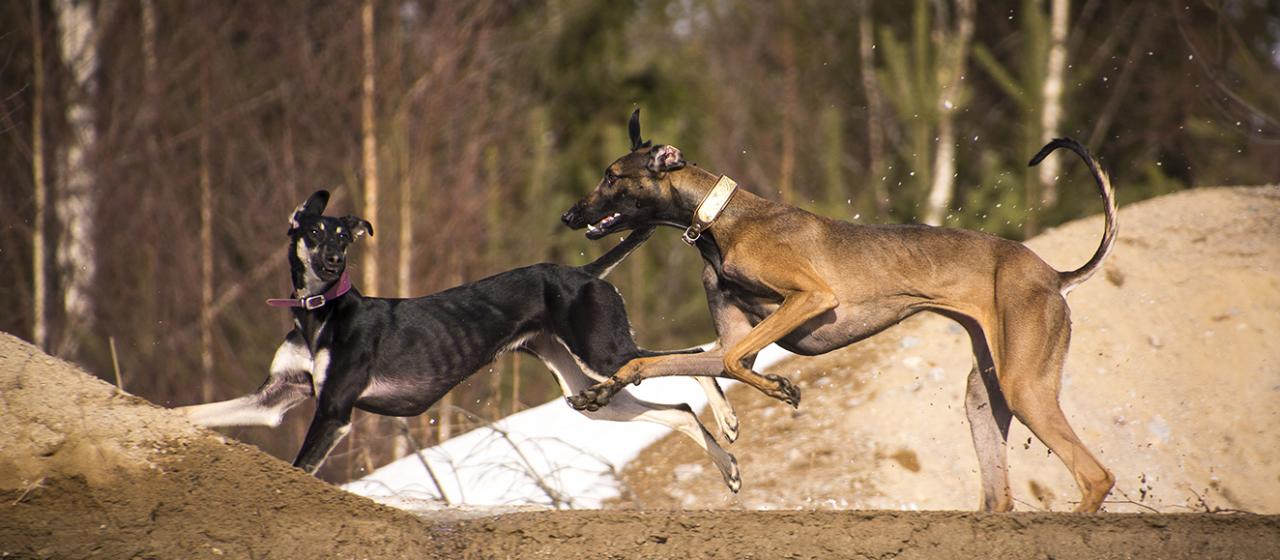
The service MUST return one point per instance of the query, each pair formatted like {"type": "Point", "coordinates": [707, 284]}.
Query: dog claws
{"type": "Point", "coordinates": [577, 402]}
{"type": "Point", "coordinates": [786, 391]}
{"type": "Point", "coordinates": [592, 399]}
{"type": "Point", "coordinates": [730, 432]}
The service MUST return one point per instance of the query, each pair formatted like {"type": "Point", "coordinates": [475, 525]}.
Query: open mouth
{"type": "Point", "coordinates": [602, 227]}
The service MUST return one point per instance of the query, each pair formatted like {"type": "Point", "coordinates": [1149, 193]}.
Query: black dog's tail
{"type": "Point", "coordinates": [1071, 279]}
{"type": "Point", "coordinates": [602, 266]}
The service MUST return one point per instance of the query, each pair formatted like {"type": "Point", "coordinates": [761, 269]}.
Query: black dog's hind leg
{"type": "Point", "coordinates": [626, 407]}
{"type": "Point", "coordinates": [597, 331]}
{"type": "Point", "coordinates": [288, 384]}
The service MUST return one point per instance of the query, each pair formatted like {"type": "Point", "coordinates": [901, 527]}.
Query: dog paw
{"type": "Point", "coordinates": [579, 401]}
{"type": "Point", "coordinates": [591, 399]}
{"type": "Point", "coordinates": [732, 477]}
{"type": "Point", "coordinates": [786, 391]}
{"type": "Point", "coordinates": [730, 430]}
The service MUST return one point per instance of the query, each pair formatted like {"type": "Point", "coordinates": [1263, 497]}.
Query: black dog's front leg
{"type": "Point", "coordinates": [330, 424]}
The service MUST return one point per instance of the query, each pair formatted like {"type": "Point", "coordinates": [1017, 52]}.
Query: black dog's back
{"type": "Point", "coordinates": [436, 341]}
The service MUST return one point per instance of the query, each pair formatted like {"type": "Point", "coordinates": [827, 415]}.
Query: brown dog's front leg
{"type": "Point", "coordinates": [704, 364]}
{"type": "Point", "coordinates": [796, 310]}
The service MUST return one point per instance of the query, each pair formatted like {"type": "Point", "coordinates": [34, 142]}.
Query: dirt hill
{"type": "Point", "coordinates": [1173, 379]}
{"type": "Point", "coordinates": [88, 471]}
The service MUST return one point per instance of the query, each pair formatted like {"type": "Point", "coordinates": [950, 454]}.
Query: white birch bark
{"type": "Point", "coordinates": [206, 229]}
{"type": "Point", "coordinates": [75, 201]}
{"type": "Point", "coordinates": [955, 52]}
{"type": "Point", "coordinates": [39, 259]}
{"type": "Point", "coordinates": [1051, 117]}
{"type": "Point", "coordinates": [370, 150]}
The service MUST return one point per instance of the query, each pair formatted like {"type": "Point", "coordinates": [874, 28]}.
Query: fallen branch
{"type": "Point", "coordinates": [558, 500]}
{"type": "Point", "coordinates": [417, 451]}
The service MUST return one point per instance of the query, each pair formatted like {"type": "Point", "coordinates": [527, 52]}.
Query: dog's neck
{"type": "Point", "coordinates": [306, 282]}
{"type": "Point", "coordinates": [691, 185]}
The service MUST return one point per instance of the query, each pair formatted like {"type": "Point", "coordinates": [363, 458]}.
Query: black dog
{"type": "Point", "coordinates": [397, 357]}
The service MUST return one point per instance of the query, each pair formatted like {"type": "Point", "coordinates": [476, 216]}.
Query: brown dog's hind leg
{"type": "Point", "coordinates": [1035, 339]}
{"type": "Point", "coordinates": [989, 419]}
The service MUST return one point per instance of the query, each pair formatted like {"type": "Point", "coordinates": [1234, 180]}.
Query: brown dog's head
{"type": "Point", "coordinates": [635, 190]}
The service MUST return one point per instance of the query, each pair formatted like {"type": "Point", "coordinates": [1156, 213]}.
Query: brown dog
{"type": "Point", "coordinates": [776, 273]}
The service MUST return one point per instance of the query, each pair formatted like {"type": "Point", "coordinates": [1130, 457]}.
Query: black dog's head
{"type": "Point", "coordinates": [635, 190]}
{"type": "Point", "coordinates": [318, 244]}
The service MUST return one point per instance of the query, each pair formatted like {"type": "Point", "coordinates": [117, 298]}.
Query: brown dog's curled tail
{"type": "Point", "coordinates": [1069, 280]}
{"type": "Point", "coordinates": [602, 266]}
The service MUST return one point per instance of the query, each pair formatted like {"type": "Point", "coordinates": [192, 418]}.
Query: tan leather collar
{"type": "Point", "coordinates": [710, 208]}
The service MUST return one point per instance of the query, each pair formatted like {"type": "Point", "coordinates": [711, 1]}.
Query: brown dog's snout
{"type": "Point", "coordinates": [571, 215]}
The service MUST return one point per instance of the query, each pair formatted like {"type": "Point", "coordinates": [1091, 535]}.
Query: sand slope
{"type": "Point", "coordinates": [88, 471]}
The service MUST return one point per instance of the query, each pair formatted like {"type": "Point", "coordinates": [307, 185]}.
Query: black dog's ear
{"type": "Point", "coordinates": [633, 128]}
{"type": "Point", "coordinates": [313, 206]}
{"type": "Point", "coordinates": [359, 226]}
{"type": "Point", "coordinates": [665, 158]}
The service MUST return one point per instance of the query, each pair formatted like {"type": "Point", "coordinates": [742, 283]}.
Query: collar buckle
{"type": "Point", "coordinates": [311, 303]}
{"type": "Point", "coordinates": [710, 208]}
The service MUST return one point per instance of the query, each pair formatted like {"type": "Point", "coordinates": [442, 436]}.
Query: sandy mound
{"type": "Point", "coordinates": [88, 471]}
{"type": "Point", "coordinates": [1173, 378]}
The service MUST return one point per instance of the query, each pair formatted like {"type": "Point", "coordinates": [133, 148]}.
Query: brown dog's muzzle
{"type": "Point", "coordinates": [573, 217]}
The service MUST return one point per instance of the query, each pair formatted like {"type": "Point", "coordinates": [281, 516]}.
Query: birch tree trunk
{"type": "Point", "coordinates": [370, 145]}
{"type": "Point", "coordinates": [150, 82]}
{"type": "Point", "coordinates": [951, 95]}
{"type": "Point", "coordinates": [1051, 116]}
{"type": "Point", "coordinates": [75, 203]}
{"type": "Point", "coordinates": [39, 259]}
{"type": "Point", "coordinates": [790, 100]}
{"type": "Point", "coordinates": [875, 110]}
{"type": "Point", "coordinates": [206, 227]}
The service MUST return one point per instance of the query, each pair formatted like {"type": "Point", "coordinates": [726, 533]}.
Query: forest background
{"type": "Point", "coordinates": [151, 151]}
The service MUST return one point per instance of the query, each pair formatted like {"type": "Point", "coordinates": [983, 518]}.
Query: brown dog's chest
{"type": "Point", "coordinates": [752, 298]}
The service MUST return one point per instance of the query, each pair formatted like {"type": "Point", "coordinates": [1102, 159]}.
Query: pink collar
{"type": "Point", "coordinates": [342, 286]}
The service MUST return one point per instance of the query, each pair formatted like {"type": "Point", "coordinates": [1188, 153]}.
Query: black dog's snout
{"type": "Point", "coordinates": [333, 258]}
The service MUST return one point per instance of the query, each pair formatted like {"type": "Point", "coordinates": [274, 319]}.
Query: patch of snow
{"type": "Point", "coordinates": [548, 455]}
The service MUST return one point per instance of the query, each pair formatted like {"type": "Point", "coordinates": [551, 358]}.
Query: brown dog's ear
{"type": "Point", "coordinates": [359, 226]}
{"type": "Point", "coordinates": [633, 128]}
{"type": "Point", "coordinates": [665, 158]}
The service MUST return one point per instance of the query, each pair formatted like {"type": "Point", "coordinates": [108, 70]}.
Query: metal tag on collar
{"type": "Point", "coordinates": [691, 235]}
{"type": "Point", "coordinates": [311, 303]}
